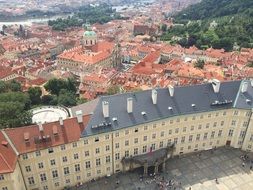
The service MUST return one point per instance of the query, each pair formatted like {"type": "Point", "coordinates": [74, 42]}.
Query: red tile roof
{"type": "Point", "coordinates": [97, 53]}
{"type": "Point", "coordinates": [8, 158]}
{"type": "Point", "coordinates": [5, 71]}
{"type": "Point", "coordinates": [69, 132]}
{"type": "Point", "coordinates": [37, 82]}
{"type": "Point", "coordinates": [95, 78]}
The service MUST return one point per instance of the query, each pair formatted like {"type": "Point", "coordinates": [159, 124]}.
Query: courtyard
{"type": "Point", "coordinates": [196, 171]}
{"type": "Point", "coordinates": [46, 114]}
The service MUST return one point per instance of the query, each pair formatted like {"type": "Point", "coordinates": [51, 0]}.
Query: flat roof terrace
{"type": "Point", "coordinates": [46, 114]}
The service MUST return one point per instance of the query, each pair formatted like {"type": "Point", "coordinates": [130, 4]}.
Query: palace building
{"type": "Point", "coordinates": [121, 132]}
{"type": "Point", "coordinates": [91, 55]}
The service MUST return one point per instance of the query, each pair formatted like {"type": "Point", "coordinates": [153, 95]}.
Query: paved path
{"type": "Point", "coordinates": [194, 171]}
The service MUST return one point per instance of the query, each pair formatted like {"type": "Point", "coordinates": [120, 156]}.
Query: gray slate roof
{"type": "Point", "coordinates": [201, 95]}
{"type": "Point", "coordinates": [87, 108]}
{"type": "Point", "coordinates": [241, 101]}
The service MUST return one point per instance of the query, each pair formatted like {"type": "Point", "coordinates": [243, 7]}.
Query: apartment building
{"type": "Point", "coordinates": [121, 132]}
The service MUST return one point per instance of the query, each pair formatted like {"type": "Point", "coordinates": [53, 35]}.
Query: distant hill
{"type": "Point", "coordinates": [207, 9]}
{"type": "Point", "coordinates": [219, 24]}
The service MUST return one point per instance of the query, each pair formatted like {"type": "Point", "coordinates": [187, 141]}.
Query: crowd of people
{"type": "Point", "coordinates": [161, 182]}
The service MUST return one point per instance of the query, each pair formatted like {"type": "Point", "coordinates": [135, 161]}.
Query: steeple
{"type": "Point", "coordinates": [89, 36]}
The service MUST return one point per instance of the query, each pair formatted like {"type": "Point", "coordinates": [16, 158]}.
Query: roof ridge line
{"type": "Point", "coordinates": [5, 161]}
{"type": "Point", "coordinates": [10, 142]}
{"type": "Point", "coordinates": [238, 93]}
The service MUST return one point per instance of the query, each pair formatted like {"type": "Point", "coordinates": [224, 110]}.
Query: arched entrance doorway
{"type": "Point", "coordinates": [151, 170]}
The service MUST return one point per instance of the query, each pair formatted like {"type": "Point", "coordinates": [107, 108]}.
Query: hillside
{"type": "Point", "coordinates": [207, 9]}
{"type": "Point", "coordinates": [224, 24]}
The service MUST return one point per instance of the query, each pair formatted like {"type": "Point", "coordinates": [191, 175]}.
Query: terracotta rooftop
{"type": "Point", "coordinates": [152, 57]}
{"type": "Point", "coordinates": [31, 138]}
{"type": "Point", "coordinates": [37, 82]}
{"type": "Point", "coordinates": [95, 78]}
{"type": "Point", "coordinates": [96, 53]}
{"type": "Point", "coordinates": [5, 71]}
{"type": "Point", "coordinates": [8, 158]}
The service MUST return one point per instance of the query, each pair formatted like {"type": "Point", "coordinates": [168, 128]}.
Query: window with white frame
{"type": "Point", "coordinates": [66, 170]}
{"type": "Point", "coordinates": [64, 159]}
{"type": "Point", "coordinates": [31, 180]}
{"type": "Point", "coordinates": [40, 165]}
{"type": "Point", "coordinates": [86, 153]}
{"type": "Point", "coordinates": [87, 164]}
{"type": "Point", "coordinates": [1, 177]}
{"type": "Point", "coordinates": [43, 177]}
{"type": "Point", "coordinates": [98, 162]}
{"type": "Point", "coordinates": [77, 168]}
{"type": "Point", "coordinates": [127, 153]}
{"type": "Point", "coordinates": [54, 173]}
{"type": "Point", "coordinates": [107, 159]}
{"type": "Point", "coordinates": [76, 156]}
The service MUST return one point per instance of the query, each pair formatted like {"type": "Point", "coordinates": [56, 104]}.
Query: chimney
{"type": "Point", "coordinates": [244, 86]}
{"type": "Point", "coordinates": [40, 126]}
{"type": "Point", "coordinates": [61, 121]}
{"type": "Point", "coordinates": [154, 96]}
{"type": "Point", "coordinates": [129, 105]}
{"type": "Point", "coordinates": [105, 107]}
{"type": "Point", "coordinates": [171, 90]}
{"type": "Point", "coordinates": [216, 85]}
{"type": "Point", "coordinates": [79, 115]}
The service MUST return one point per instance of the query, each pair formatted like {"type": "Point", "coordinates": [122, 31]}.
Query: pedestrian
{"type": "Point", "coordinates": [250, 167]}
{"type": "Point", "coordinates": [243, 164]}
{"type": "Point", "coordinates": [190, 188]}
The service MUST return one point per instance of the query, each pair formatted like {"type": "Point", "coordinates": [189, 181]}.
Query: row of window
{"type": "Point", "coordinates": [184, 129]}
{"type": "Point", "coordinates": [43, 177]}
{"type": "Point", "coordinates": [145, 138]}
{"type": "Point", "coordinates": [197, 146]}
{"type": "Point", "coordinates": [55, 174]}
{"type": "Point", "coordinates": [145, 148]}
{"type": "Point", "coordinates": [163, 123]}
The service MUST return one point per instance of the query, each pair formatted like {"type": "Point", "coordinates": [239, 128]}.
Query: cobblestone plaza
{"type": "Point", "coordinates": [193, 171]}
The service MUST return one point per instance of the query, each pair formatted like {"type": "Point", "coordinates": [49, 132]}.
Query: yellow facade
{"type": "Point", "coordinates": [12, 181]}
{"type": "Point", "coordinates": [97, 156]}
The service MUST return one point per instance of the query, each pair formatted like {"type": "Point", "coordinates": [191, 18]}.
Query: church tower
{"type": "Point", "coordinates": [89, 36]}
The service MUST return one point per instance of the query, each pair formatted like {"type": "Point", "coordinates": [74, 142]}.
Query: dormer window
{"type": "Point", "coordinates": [50, 150]}
{"type": "Point", "coordinates": [96, 139]}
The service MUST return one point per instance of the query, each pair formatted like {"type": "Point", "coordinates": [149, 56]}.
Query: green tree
{"type": "Point", "coordinates": [35, 94]}
{"type": "Point", "coordinates": [209, 37]}
{"type": "Point", "coordinates": [226, 43]}
{"type": "Point", "coordinates": [164, 27]}
{"type": "Point", "coordinates": [54, 86]}
{"type": "Point", "coordinates": [234, 24]}
{"type": "Point", "coordinates": [71, 85]}
{"type": "Point", "coordinates": [113, 90]}
{"type": "Point", "coordinates": [199, 64]}
{"type": "Point", "coordinates": [250, 64]}
{"type": "Point", "coordinates": [14, 108]}
{"type": "Point", "coordinates": [14, 86]}
{"type": "Point", "coordinates": [49, 100]}
{"type": "Point", "coordinates": [3, 86]}
{"type": "Point", "coordinates": [66, 98]}
{"type": "Point", "coordinates": [81, 101]}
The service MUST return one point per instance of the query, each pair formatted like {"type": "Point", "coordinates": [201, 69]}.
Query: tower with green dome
{"type": "Point", "coordinates": [89, 36]}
